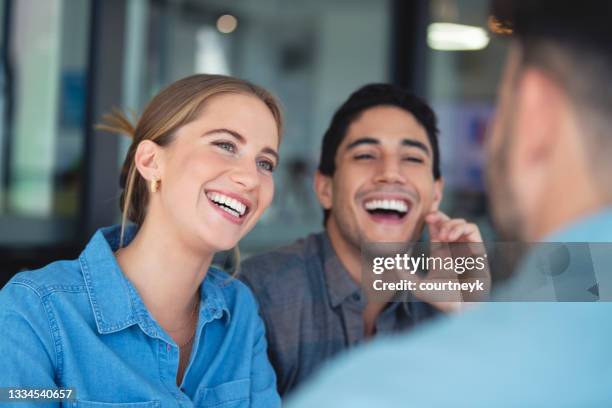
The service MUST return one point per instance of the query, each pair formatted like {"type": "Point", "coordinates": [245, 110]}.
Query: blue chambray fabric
{"type": "Point", "coordinates": [82, 324]}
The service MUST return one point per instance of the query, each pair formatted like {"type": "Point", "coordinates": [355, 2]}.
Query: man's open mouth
{"type": "Point", "coordinates": [387, 209]}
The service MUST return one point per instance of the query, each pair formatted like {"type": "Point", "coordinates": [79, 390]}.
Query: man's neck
{"type": "Point", "coordinates": [556, 214]}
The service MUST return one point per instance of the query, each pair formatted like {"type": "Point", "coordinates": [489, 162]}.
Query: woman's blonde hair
{"type": "Point", "coordinates": [175, 106]}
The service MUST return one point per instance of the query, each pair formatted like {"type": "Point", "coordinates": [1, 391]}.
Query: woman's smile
{"type": "Point", "coordinates": [229, 205]}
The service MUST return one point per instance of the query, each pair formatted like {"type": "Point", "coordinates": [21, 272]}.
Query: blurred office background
{"type": "Point", "coordinates": [64, 63]}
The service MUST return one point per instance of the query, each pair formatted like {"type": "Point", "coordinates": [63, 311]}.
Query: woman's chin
{"type": "Point", "coordinates": [218, 238]}
{"type": "Point", "coordinates": [219, 243]}
{"type": "Point", "coordinates": [225, 248]}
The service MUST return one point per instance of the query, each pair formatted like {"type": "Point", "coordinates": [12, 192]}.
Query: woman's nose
{"type": "Point", "coordinates": [246, 175]}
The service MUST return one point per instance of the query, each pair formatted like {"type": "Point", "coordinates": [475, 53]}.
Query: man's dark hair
{"type": "Point", "coordinates": [572, 43]}
{"type": "Point", "coordinates": [368, 97]}
{"type": "Point", "coordinates": [575, 24]}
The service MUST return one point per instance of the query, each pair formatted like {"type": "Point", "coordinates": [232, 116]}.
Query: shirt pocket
{"type": "Point", "coordinates": [232, 394]}
{"type": "Point", "coordinates": [93, 404]}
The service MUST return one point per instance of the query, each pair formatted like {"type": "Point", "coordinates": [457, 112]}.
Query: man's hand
{"type": "Point", "coordinates": [443, 229]}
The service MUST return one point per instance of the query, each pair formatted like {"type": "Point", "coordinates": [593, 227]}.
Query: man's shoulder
{"type": "Point", "coordinates": [514, 344]}
{"type": "Point", "coordinates": [290, 275]}
{"type": "Point", "coordinates": [484, 355]}
{"type": "Point", "coordinates": [291, 262]}
{"type": "Point", "coordinates": [523, 326]}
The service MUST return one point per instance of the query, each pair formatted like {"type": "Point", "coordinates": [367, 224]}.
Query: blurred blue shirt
{"type": "Point", "coordinates": [81, 324]}
{"type": "Point", "coordinates": [497, 355]}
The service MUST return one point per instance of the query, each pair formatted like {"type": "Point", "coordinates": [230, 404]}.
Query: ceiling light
{"type": "Point", "coordinates": [227, 23]}
{"type": "Point", "coordinates": [456, 37]}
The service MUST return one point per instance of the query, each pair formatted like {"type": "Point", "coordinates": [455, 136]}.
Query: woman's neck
{"type": "Point", "coordinates": [166, 272]}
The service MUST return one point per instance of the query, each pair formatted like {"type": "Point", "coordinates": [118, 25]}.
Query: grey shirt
{"type": "Point", "coordinates": [312, 308]}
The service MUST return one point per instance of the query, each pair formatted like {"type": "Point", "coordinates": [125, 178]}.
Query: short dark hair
{"type": "Point", "coordinates": [367, 97]}
{"type": "Point", "coordinates": [582, 24]}
{"type": "Point", "coordinates": [572, 43]}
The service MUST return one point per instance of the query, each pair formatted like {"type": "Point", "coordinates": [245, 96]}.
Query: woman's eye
{"type": "Point", "coordinates": [266, 165]}
{"type": "Point", "coordinates": [230, 147]}
{"type": "Point", "coordinates": [364, 156]}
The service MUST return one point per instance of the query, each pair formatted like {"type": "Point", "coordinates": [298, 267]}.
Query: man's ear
{"type": "Point", "coordinates": [323, 189]}
{"type": "Point", "coordinates": [146, 160]}
{"type": "Point", "coordinates": [438, 191]}
{"type": "Point", "coordinates": [540, 102]}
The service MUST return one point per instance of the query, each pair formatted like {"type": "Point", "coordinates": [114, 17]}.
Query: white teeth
{"type": "Point", "coordinates": [397, 205]}
{"type": "Point", "coordinates": [229, 210]}
{"type": "Point", "coordinates": [236, 207]}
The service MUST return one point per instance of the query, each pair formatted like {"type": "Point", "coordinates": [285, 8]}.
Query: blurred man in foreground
{"type": "Point", "coordinates": [549, 156]}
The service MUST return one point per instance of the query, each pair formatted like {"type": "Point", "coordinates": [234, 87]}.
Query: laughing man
{"type": "Point", "coordinates": [378, 181]}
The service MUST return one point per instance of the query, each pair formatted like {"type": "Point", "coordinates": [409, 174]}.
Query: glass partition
{"type": "Point", "coordinates": [42, 103]}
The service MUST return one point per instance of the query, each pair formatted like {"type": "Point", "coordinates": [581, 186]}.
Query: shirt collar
{"type": "Point", "coordinates": [596, 227]}
{"type": "Point", "coordinates": [340, 285]}
{"type": "Point", "coordinates": [114, 300]}
{"type": "Point", "coordinates": [526, 284]}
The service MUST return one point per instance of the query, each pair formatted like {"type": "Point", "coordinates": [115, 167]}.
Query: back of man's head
{"type": "Point", "coordinates": [551, 135]}
{"type": "Point", "coordinates": [572, 43]}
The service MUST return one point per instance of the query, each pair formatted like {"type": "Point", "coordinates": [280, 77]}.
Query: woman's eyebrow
{"type": "Point", "coordinates": [241, 139]}
{"type": "Point", "coordinates": [233, 133]}
{"type": "Point", "coordinates": [271, 152]}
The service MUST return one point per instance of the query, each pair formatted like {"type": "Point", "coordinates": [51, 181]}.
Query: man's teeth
{"type": "Point", "coordinates": [236, 208]}
{"type": "Point", "coordinates": [397, 205]}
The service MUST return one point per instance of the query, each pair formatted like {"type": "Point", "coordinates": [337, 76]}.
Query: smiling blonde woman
{"type": "Point", "coordinates": [141, 316]}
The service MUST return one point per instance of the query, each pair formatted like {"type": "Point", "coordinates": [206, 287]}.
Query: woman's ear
{"type": "Point", "coordinates": [146, 160]}
{"type": "Point", "coordinates": [323, 189]}
{"type": "Point", "coordinates": [438, 191]}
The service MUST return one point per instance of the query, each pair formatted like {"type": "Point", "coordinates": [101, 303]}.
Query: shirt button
{"type": "Point", "coordinates": [168, 348]}
{"type": "Point", "coordinates": [356, 297]}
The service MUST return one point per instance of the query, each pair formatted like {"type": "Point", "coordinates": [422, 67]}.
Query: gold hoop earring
{"type": "Point", "coordinates": [154, 185]}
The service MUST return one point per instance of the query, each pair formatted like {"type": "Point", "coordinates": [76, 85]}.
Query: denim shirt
{"type": "Point", "coordinates": [82, 324]}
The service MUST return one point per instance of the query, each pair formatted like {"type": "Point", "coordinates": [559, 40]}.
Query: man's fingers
{"type": "Point", "coordinates": [449, 226]}
{"type": "Point", "coordinates": [442, 228]}
{"type": "Point", "coordinates": [435, 221]}
{"type": "Point", "coordinates": [467, 230]}
{"type": "Point", "coordinates": [457, 231]}
{"type": "Point", "coordinates": [436, 217]}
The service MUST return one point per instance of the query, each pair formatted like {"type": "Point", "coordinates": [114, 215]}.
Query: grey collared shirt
{"type": "Point", "coordinates": [312, 308]}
